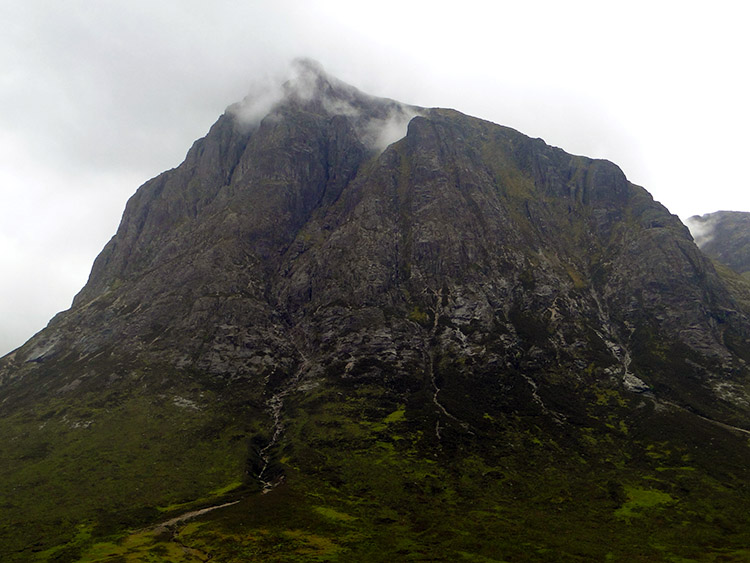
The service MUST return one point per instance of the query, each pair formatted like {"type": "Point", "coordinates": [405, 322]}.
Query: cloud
{"type": "Point", "coordinates": [378, 122]}
{"type": "Point", "coordinates": [702, 228]}
{"type": "Point", "coordinates": [264, 94]}
{"type": "Point", "coordinates": [299, 80]}
{"type": "Point", "coordinates": [379, 133]}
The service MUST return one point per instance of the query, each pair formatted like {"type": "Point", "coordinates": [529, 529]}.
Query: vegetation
{"type": "Point", "coordinates": [621, 485]}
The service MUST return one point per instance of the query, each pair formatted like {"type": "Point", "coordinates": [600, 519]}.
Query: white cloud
{"type": "Point", "coordinates": [702, 228]}
{"type": "Point", "coordinates": [307, 80]}
{"type": "Point", "coordinates": [380, 133]}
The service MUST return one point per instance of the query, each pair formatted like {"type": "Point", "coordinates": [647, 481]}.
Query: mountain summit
{"type": "Point", "coordinates": [353, 329]}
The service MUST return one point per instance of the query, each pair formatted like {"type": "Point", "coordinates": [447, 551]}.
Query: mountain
{"type": "Point", "coordinates": [724, 236]}
{"type": "Point", "coordinates": [351, 329]}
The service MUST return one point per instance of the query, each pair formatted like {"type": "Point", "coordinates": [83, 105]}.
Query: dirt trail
{"type": "Point", "coordinates": [190, 515]}
{"type": "Point", "coordinates": [723, 425]}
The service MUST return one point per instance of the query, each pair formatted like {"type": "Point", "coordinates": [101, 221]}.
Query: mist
{"type": "Point", "coordinates": [305, 81]}
{"type": "Point", "coordinates": [702, 228]}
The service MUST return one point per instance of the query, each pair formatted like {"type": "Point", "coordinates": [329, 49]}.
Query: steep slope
{"type": "Point", "coordinates": [437, 342]}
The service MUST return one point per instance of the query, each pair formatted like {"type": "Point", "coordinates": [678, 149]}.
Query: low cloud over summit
{"type": "Point", "coordinates": [378, 121]}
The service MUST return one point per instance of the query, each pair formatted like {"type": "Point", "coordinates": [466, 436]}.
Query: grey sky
{"type": "Point", "coordinates": [97, 97]}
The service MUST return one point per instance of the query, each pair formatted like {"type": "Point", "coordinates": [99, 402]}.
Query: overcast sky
{"type": "Point", "coordinates": [97, 97]}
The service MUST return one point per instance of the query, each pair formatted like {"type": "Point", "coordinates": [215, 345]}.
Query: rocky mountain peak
{"type": "Point", "coordinates": [362, 321]}
{"type": "Point", "coordinates": [310, 81]}
{"type": "Point", "coordinates": [377, 122]}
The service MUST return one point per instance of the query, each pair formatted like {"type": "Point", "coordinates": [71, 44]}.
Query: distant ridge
{"type": "Point", "coordinates": [725, 236]}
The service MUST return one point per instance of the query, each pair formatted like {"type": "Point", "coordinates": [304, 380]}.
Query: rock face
{"type": "Point", "coordinates": [334, 282]}
{"type": "Point", "coordinates": [724, 236]}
